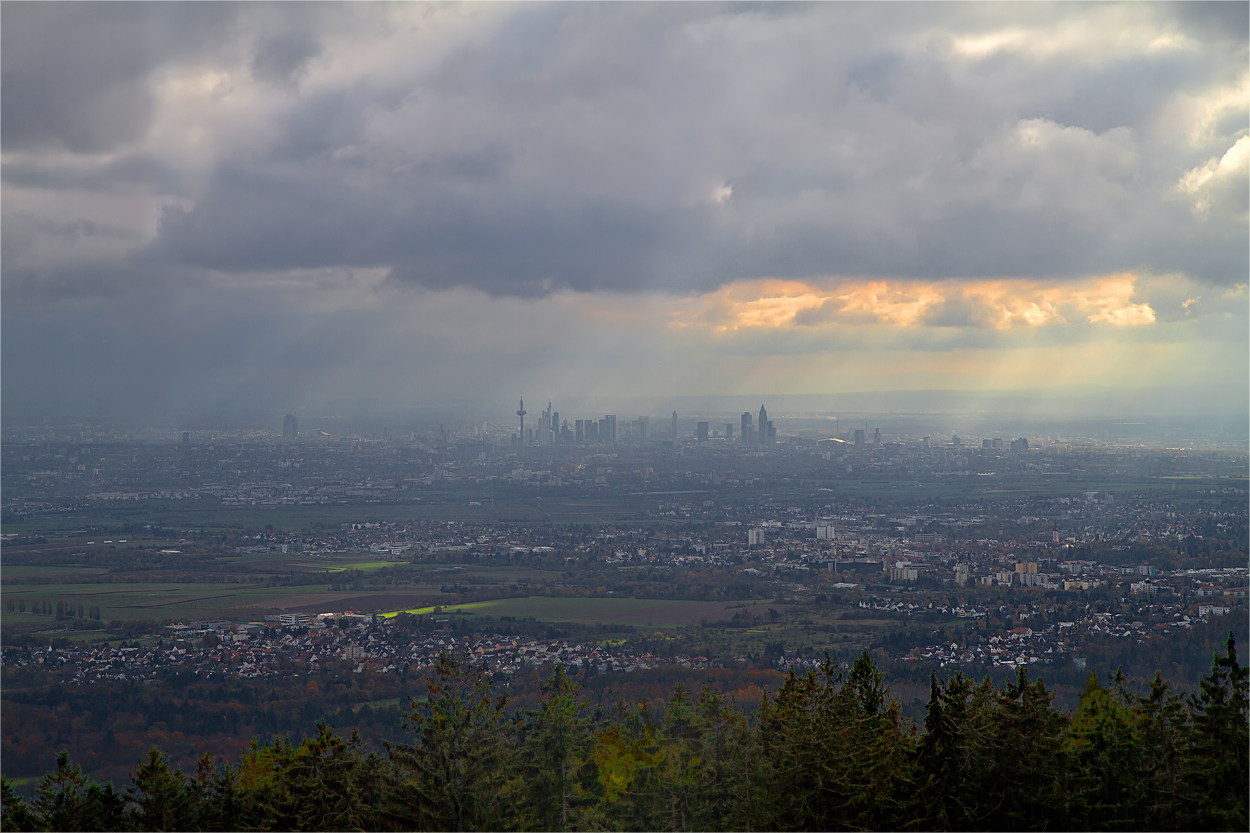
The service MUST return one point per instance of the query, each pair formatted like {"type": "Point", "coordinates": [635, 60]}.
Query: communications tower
{"type": "Point", "coordinates": [521, 413]}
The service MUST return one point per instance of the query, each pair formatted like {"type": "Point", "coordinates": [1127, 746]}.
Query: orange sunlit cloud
{"type": "Point", "coordinates": [993, 304]}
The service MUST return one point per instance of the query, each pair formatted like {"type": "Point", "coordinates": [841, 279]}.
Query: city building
{"type": "Point", "coordinates": [700, 432]}
{"type": "Point", "coordinates": [290, 427]}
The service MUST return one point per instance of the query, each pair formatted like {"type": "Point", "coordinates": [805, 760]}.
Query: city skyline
{"type": "Point", "coordinates": [338, 208]}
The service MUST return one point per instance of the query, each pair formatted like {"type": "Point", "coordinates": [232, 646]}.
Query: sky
{"type": "Point", "coordinates": [318, 207]}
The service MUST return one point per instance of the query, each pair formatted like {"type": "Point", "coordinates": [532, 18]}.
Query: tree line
{"type": "Point", "coordinates": [829, 750]}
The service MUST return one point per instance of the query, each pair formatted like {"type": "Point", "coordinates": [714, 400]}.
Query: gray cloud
{"type": "Point", "coordinates": [579, 147]}
{"type": "Point", "coordinates": [283, 58]}
{"type": "Point", "coordinates": [521, 150]}
{"type": "Point", "coordinates": [74, 73]}
{"type": "Point", "coordinates": [568, 149]}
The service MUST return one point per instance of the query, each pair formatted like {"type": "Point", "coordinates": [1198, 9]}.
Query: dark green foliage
{"type": "Point", "coordinates": [159, 798]}
{"type": "Point", "coordinates": [829, 751]}
{"type": "Point", "coordinates": [1218, 769]}
{"type": "Point", "coordinates": [68, 800]}
{"type": "Point", "coordinates": [453, 775]}
{"type": "Point", "coordinates": [555, 747]}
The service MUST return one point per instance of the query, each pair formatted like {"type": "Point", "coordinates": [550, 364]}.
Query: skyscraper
{"type": "Point", "coordinates": [700, 432]}
{"type": "Point", "coordinates": [859, 437]}
{"type": "Point", "coordinates": [746, 428]}
{"type": "Point", "coordinates": [764, 438]}
{"type": "Point", "coordinates": [674, 428]}
{"type": "Point", "coordinates": [876, 436]}
{"type": "Point", "coordinates": [644, 423]}
{"type": "Point", "coordinates": [290, 427]}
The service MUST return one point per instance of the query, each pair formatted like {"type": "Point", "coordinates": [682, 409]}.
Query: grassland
{"type": "Point", "coordinates": [209, 515]}
{"type": "Point", "coordinates": [605, 610]}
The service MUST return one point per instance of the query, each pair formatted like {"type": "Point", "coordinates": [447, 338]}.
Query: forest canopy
{"type": "Point", "coordinates": [829, 750]}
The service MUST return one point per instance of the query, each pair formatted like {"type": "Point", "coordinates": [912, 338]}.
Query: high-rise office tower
{"type": "Point", "coordinates": [579, 430]}
{"type": "Point", "coordinates": [746, 428]}
{"type": "Point", "coordinates": [700, 432]}
{"type": "Point", "coordinates": [186, 437]}
{"type": "Point", "coordinates": [290, 427]}
{"type": "Point", "coordinates": [772, 434]}
{"type": "Point", "coordinates": [542, 433]}
{"type": "Point", "coordinates": [729, 430]}
{"type": "Point", "coordinates": [521, 413]}
{"type": "Point", "coordinates": [876, 436]}
{"type": "Point", "coordinates": [609, 422]}
{"type": "Point", "coordinates": [555, 426]}
{"type": "Point", "coordinates": [644, 423]}
{"type": "Point", "coordinates": [674, 428]}
{"type": "Point", "coordinates": [860, 436]}
{"type": "Point", "coordinates": [763, 426]}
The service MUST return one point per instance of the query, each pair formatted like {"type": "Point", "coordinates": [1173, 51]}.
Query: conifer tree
{"type": "Point", "coordinates": [15, 814]}
{"type": "Point", "coordinates": [453, 774]}
{"type": "Point", "coordinates": [554, 753]}
{"type": "Point", "coordinates": [158, 796]}
{"type": "Point", "coordinates": [1218, 771]}
{"type": "Point", "coordinates": [67, 799]}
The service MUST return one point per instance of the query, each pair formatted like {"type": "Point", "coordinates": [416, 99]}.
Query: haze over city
{"type": "Point", "coordinates": [352, 208]}
{"type": "Point", "coordinates": [624, 416]}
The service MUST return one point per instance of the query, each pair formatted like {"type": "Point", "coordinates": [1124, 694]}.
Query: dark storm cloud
{"type": "Point", "coordinates": [73, 73]}
{"type": "Point", "coordinates": [930, 184]}
{"type": "Point", "coordinates": [582, 147]}
{"type": "Point", "coordinates": [283, 57]}
{"type": "Point", "coordinates": [207, 201]}
{"type": "Point", "coordinates": [1216, 22]}
{"type": "Point", "coordinates": [124, 171]}
{"type": "Point", "coordinates": [430, 235]}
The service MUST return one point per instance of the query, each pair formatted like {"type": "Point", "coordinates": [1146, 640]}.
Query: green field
{"type": "Point", "coordinates": [34, 571]}
{"type": "Point", "coordinates": [625, 611]}
{"type": "Point", "coordinates": [453, 505]}
{"type": "Point", "coordinates": [208, 514]}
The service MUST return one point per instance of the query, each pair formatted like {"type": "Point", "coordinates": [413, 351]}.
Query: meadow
{"type": "Point", "coordinates": [601, 610]}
